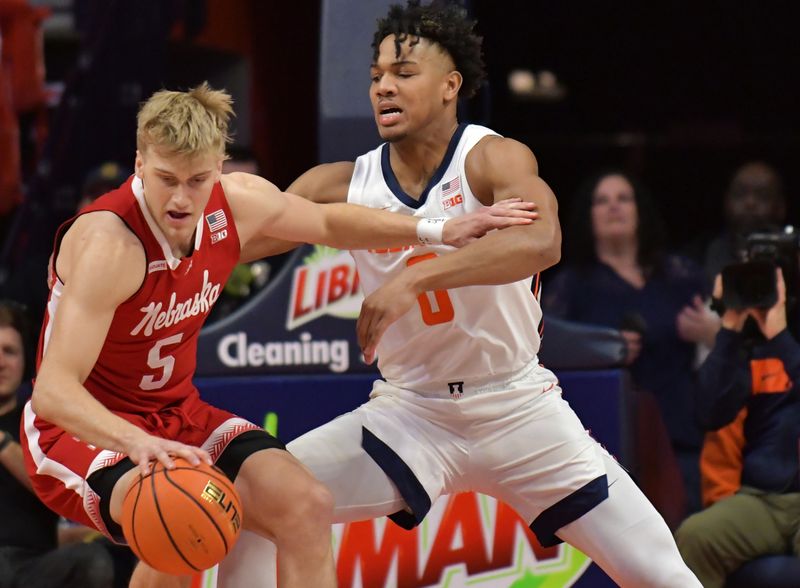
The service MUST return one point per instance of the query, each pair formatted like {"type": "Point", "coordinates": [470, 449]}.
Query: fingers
{"type": "Point", "coordinates": [193, 455]}
{"type": "Point", "coordinates": [780, 285]}
{"type": "Point", "coordinates": [163, 451]}
{"type": "Point", "coordinates": [515, 202]}
{"type": "Point", "coordinates": [144, 466]}
{"type": "Point", "coordinates": [164, 458]}
{"type": "Point", "coordinates": [717, 286]}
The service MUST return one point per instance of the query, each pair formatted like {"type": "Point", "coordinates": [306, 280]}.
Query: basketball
{"type": "Point", "coordinates": [184, 520]}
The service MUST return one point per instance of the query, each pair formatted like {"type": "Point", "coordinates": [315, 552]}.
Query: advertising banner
{"type": "Point", "coordinates": [303, 321]}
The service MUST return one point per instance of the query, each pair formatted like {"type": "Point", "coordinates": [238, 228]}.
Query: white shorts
{"type": "Point", "coordinates": [518, 441]}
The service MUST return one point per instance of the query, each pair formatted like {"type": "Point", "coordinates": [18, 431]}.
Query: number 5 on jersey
{"type": "Point", "coordinates": [445, 311]}
{"type": "Point", "coordinates": [155, 361]}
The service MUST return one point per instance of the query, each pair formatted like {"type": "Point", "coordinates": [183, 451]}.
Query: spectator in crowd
{"type": "Point", "coordinates": [29, 553]}
{"type": "Point", "coordinates": [748, 394]}
{"type": "Point", "coordinates": [617, 275]}
{"type": "Point", "coordinates": [104, 178]}
{"type": "Point", "coordinates": [754, 202]}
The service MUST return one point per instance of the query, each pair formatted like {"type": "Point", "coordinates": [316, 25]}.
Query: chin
{"type": "Point", "coordinates": [391, 134]}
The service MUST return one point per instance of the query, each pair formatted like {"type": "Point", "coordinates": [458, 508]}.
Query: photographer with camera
{"type": "Point", "coordinates": [752, 378]}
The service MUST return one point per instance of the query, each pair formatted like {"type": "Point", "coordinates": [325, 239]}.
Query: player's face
{"type": "Point", "coordinates": [411, 90]}
{"type": "Point", "coordinates": [12, 362]}
{"type": "Point", "coordinates": [614, 211]}
{"type": "Point", "coordinates": [177, 189]}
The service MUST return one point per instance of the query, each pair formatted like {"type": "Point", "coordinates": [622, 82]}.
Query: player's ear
{"type": "Point", "coordinates": [138, 164]}
{"type": "Point", "coordinates": [453, 83]}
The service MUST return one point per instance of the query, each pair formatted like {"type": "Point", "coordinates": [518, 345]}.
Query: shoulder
{"type": "Point", "coordinates": [248, 194]}
{"type": "Point", "coordinates": [492, 155]}
{"type": "Point", "coordinates": [237, 184]}
{"type": "Point", "coordinates": [328, 182]}
{"type": "Point", "coordinates": [99, 232]}
{"type": "Point", "coordinates": [100, 249]}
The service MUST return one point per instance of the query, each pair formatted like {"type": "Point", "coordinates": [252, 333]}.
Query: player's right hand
{"type": "Point", "coordinates": [464, 229]}
{"type": "Point", "coordinates": [144, 448]}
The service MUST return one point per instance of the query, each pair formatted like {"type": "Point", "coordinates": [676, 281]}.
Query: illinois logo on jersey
{"type": "Point", "coordinates": [451, 193]}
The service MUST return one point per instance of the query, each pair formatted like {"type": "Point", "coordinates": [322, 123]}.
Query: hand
{"type": "Point", "coordinates": [696, 323]}
{"type": "Point", "coordinates": [633, 346]}
{"type": "Point", "coordinates": [144, 448]}
{"type": "Point", "coordinates": [772, 320]}
{"type": "Point", "coordinates": [464, 229]}
{"type": "Point", "coordinates": [380, 309]}
{"type": "Point", "coordinates": [731, 319]}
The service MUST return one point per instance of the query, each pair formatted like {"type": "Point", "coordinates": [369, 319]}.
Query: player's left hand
{"type": "Point", "coordinates": [464, 229]}
{"type": "Point", "coordinates": [379, 310]}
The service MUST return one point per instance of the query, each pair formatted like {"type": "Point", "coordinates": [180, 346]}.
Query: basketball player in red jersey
{"type": "Point", "coordinates": [134, 277]}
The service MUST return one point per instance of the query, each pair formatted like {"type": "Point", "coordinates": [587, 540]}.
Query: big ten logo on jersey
{"type": "Point", "coordinates": [466, 540]}
{"type": "Point", "coordinates": [451, 193]}
{"type": "Point", "coordinates": [219, 236]}
{"type": "Point", "coordinates": [325, 284]}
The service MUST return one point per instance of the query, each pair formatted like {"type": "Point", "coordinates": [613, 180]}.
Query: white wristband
{"type": "Point", "coordinates": [429, 230]}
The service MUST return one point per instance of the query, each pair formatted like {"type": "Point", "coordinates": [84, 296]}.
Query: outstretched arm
{"type": "Point", "coordinates": [496, 169]}
{"type": "Point", "coordinates": [264, 213]}
{"type": "Point", "coordinates": [102, 265]}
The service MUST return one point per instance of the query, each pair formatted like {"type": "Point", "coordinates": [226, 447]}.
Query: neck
{"type": "Point", "coordinates": [415, 159]}
{"type": "Point", "coordinates": [618, 252]}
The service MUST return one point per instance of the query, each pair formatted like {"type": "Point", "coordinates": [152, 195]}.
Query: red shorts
{"type": "Point", "coordinates": [59, 464]}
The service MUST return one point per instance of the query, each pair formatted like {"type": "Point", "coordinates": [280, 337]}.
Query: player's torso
{"type": "Point", "coordinates": [454, 335]}
{"type": "Point", "coordinates": [149, 355]}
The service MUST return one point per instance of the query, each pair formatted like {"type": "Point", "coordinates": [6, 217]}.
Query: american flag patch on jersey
{"type": "Point", "coordinates": [452, 186]}
{"type": "Point", "coordinates": [216, 220]}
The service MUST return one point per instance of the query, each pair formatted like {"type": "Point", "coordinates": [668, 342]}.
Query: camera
{"type": "Point", "coordinates": [751, 282]}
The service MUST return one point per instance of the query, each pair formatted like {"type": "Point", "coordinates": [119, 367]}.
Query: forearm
{"type": "Point", "coordinates": [70, 406]}
{"type": "Point", "coordinates": [723, 382]}
{"type": "Point", "coordinates": [350, 226]}
{"type": "Point", "coordinates": [12, 460]}
{"type": "Point", "coordinates": [500, 257]}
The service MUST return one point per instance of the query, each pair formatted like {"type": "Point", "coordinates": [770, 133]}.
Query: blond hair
{"type": "Point", "coordinates": [185, 123]}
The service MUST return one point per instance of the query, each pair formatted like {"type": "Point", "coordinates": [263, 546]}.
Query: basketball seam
{"type": "Point", "coordinates": [200, 505]}
{"type": "Point", "coordinates": [164, 524]}
{"type": "Point", "coordinates": [140, 483]}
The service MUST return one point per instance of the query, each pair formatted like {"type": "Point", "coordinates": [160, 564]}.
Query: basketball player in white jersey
{"type": "Point", "coordinates": [464, 404]}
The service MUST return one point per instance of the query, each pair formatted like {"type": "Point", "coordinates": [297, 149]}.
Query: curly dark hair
{"type": "Point", "coordinates": [442, 23]}
{"type": "Point", "coordinates": [651, 235]}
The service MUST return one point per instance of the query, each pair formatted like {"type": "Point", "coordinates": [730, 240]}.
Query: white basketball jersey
{"type": "Point", "coordinates": [449, 336]}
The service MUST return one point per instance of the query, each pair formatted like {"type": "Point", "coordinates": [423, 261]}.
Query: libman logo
{"type": "Point", "coordinates": [326, 284]}
{"type": "Point", "coordinates": [466, 540]}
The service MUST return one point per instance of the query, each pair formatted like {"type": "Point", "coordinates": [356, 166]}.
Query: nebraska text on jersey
{"type": "Point", "coordinates": [155, 318]}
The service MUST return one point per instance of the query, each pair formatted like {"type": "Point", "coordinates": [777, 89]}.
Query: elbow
{"type": "Point", "coordinates": [552, 255]}
{"type": "Point", "coordinates": [38, 403]}
{"type": "Point", "coordinates": [543, 256]}
{"type": "Point", "coordinates": [43, 403]}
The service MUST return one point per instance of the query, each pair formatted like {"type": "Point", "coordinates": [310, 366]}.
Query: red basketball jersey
{"type": "Point", "coordinates": [149, 355]}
